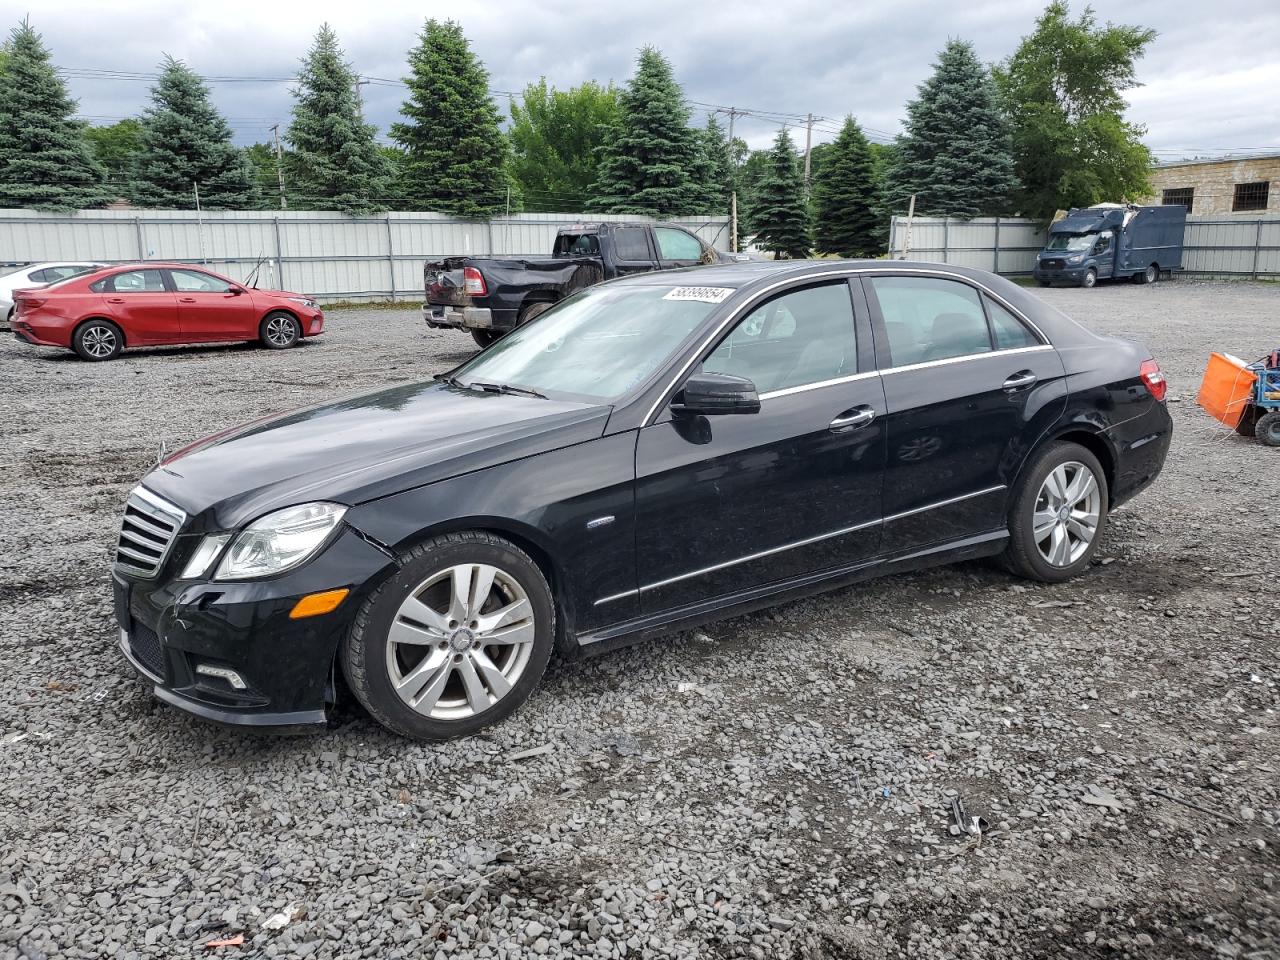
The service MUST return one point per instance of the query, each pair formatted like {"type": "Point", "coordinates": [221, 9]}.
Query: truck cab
{"type": "Point", "coordinates": [1112, 241]}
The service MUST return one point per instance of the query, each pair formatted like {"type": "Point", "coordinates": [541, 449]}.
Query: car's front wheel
{"type": "Point", "coordinates": [97, 340]}
{"type": "Point", "coordinates": [455, 641]}
{"type": "Point", "coordinates": [1058, 514]}
{"type": "Point", "coordinates": [279, 331]}
{"type": "Point", "coordinates": [1090, 279]}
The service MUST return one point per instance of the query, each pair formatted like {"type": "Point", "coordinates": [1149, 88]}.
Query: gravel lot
{"type": "Point", "coordinates": [776, 786]}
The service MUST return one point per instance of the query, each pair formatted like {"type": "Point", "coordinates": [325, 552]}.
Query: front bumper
{"type": "Point", "coordinates": [1071, 274]}
{"type": "Point", "coordinates": [168, 627]}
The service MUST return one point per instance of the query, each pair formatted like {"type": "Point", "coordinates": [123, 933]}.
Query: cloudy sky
{"type": "Point", "coordinates": [1209, 80]}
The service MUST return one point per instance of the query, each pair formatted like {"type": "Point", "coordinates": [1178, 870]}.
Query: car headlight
{"type": "Point", "coordinates": [1076, 259]}
{"type": "Point", "coordinates": [204, 556]}
{"type": "Point", "coordinates": [279, 541]}
{"type": "Point", "coordinates": [305, 301]}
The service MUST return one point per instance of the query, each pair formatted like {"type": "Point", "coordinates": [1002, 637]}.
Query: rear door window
{"type": "Point", "coordinates": [927, 319]}
{"type": "Point", "coordinates": [632, 244]}
{"type": "Point", "coordinates": [132, 281]}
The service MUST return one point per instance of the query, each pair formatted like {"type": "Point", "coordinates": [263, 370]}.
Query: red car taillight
{"type": "Point", "coordinates": [23, 304]}
{"type": "Point", "coordinates": [473, 283]}
{"type": "Point", "coordinates": [1154, 379]}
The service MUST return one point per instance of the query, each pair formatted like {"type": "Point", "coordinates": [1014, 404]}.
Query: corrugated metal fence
{"type": "Point", "coordinates": [1214, 247]}
{"type": "Point", "coordinates": [328, 255]}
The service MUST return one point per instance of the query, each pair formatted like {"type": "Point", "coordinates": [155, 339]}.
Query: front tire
{"type": "Point", "coordinates": [1267, 429]}
{"type": "Point", "coordinates": [455, 641]}
{"type": "Point", "coordinates": [1090, 279]}
{"type": "Point", "coordinates": [279, 331]}
{"type": "Point", "coordinates": [97, 340]}
{"type": "Point", "coordinates": [1058, 514]}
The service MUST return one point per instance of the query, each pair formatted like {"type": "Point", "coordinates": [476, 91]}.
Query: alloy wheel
{"type": "Point", "coordinates": [460, 641]}
{"type": "Point", "coordinates": [1066, 515]}
{"type": "Point", "coordinates": [281, 331]}
{"type": "Point", "coordinates": [99, 342]}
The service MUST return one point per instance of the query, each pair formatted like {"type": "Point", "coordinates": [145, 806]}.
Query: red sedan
{"type": "Point", "coordinates": [99, 314]}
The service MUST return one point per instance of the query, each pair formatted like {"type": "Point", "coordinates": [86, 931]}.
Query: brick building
{"type": "Point", "coordinates": [1232, 186]}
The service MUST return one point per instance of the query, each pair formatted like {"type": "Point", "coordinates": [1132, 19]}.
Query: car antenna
{"type": "Point", "coordinates": [253, 275]}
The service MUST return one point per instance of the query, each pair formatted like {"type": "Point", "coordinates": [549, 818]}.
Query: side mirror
{"type": "Point", "coordinates": [710, 394]}
{"type": "Point", "coordinates": [235, 291]}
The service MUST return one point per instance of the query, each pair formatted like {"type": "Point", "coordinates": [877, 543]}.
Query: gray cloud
{"type": "Point", "coordinates": [1208, 80]}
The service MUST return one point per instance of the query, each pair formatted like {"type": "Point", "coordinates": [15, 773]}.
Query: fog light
{"type": "Point", "coordinates": [314, 604]}
{"type": "Point", "coordinates": [226, 673]}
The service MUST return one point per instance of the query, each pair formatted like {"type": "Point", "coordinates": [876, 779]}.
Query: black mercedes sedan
{"type": "Point", "coordinates": [651, 453]}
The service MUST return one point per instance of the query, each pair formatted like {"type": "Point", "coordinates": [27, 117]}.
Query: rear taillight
{"type": "Point", "coordinates": [1154, 379]}
{"type": "Point", "coordinates": [473, 283]}
{"type": "Point", "coordinates": [24, 304]}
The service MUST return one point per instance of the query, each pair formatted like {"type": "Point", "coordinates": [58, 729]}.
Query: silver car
{"type": "Point", "coordinates": [37, 275]}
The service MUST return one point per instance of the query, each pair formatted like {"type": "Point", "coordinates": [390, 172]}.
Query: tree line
{"type": "Point", "coordinates": [1042, 130]}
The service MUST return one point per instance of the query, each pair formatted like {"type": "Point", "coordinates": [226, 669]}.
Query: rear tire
{"type": "Point", "coordinates": [1058, 514]}
{"type": "Point", "coordinates": [1149, 275]}
{"type": "Point", "coordinates": [484, 338]}
{"type": "Point", "coordinates": [421, 657]}
{"type": "Point", "coordinates": [1248, 422]}
{"type": "Point", "coordinates": [97, 340]}
{"type": "Point", "coordinates": [279, 331]}
{"type": "Point", "coordinates": [1043, 283]}
{"type": "Point", "coordinates": [1090, 279]}
{"type": "Point", "coordinates": [1267, 429]}
{"type": "Point", "coordinates": [531, 310]}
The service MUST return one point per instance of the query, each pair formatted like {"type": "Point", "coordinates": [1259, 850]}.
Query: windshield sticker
{"type": "Point", "coordinates": [703, 294]}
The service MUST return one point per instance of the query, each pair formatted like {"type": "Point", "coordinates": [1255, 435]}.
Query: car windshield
{"type": "Point", "coordinates": [597, 344]}
{"type": "Point", "coordinates": [1070, 241]}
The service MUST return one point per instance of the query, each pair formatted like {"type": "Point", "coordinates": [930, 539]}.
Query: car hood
{"type": "Point", "coordinates": [364, 447]}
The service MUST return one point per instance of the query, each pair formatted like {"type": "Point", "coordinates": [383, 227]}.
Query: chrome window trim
{"type": "Point", "coordinates": [801, 543]}
{"type": "Point", "coordinates": [787, 391]}
{"type": "Point", "coordinates": [736, 314]}
{"type": "Point", "coordinates": [907, 368]}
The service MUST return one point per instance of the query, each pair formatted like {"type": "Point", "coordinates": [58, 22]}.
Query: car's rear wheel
{"type": "Point", "coordinates": [455, 641]}
{"type": "Point", "coordinates": [97, 340]}
{"type": "Point", "coordinates": [1090, 278]}
{"type": "Point", "coordinates": [1149, 275]}
{"type": "Point", "coordinates": [1267, 429]}
{"type": "Point", "coordinates": [531, 310]}
{"type": "Point", "coordinates": [1058, 514]}
{"type": "Point", "coordinates": [279, 331]}
{"type": "Point", "coordinates": [485, 337]}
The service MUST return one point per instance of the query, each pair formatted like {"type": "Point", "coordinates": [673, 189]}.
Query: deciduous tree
{"type": "Point", "coordinates": [556, 137]}
{"type": "Point", "coordinates": [456, 157]}
{"type": "Point", "coordinates": [185, 143]}
{"type": "Point", "coordinates": [114, 146]}
{"type": "Point", "coordinates": [45, 161]}
{"type": "Point", "coordinates": [1063, 90]}
{"type": "Point", "coordinates": [955, 154]}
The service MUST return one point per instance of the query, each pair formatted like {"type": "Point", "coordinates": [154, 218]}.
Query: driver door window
{"type": "Point", "coordinates": [798, 338]}
{"type": "Point", "coordinates": [677, 247]}
{"type": "Point", "coordinates": [193, 281]}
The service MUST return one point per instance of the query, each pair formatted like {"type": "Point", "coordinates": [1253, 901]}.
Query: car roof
{"type": "Point", "coordinates": [741, 273]}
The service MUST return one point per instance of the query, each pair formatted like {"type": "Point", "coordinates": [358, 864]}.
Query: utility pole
{"type": "Point", "coordinates": [906, 244]}
{"type": "Point", "coordinates": [360, 95]}
{"type": "Point", "coordinates": [808, 143]}
{"type": "Point", "coordinates": [284, 204]}
{"type": "Point", "coordinates": [733, 222]}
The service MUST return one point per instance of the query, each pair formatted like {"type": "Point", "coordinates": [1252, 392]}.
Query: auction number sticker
{"type": "Point", "coordinates": [702, 294]}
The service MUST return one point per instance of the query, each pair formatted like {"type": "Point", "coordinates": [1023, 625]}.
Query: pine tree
{"type": "Point", "coordinates": [778, 216]}
{"type": "Point", "coordinates": [712, 170]}
{"type": "Point", "coordinates": [45, 161]}
{"type": "Point", "coordinates": [956, 154]}
{"type": "Point", "coordinates": [185, 142]}
{"type": "Point", "coordinates": [456, 157]}
{"type": "Point", "coordinates": [335, 162]}
{"type": "Point", "coordinates": [646, 163]}
{"type": "Point", "coordinates": [846, 196]}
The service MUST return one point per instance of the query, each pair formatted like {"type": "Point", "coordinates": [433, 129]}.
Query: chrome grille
{"type": "Point", "coordinates": [150, 526]}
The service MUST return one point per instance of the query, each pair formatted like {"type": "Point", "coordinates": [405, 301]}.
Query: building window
{"type": "Point", "coordinates": [1250, 196]}
{"type": "Point", "coordinates": [1179, 196]}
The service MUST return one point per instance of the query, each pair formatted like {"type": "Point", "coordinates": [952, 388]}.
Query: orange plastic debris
{"type": "Point", "coordinates": [236, 941]}
{"type": "Point", "coordinates": [1227, 388]}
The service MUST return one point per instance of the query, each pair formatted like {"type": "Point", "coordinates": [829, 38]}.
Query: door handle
{"type": "Point", "coordinates": [115, 299]}
{"type": "Point", "coordinates": [186, 299]}
{"type": "Point", "coordinates": [1019, 380]}
{"type": "Point", "coordinates": [852, 419]}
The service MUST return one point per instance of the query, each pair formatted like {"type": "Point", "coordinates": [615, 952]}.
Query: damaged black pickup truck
{"type": "Point", "coordinates": [490, 296]}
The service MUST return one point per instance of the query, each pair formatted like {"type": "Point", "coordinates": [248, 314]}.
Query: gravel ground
{"type": "Point", "coordinates": [776, 786]}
